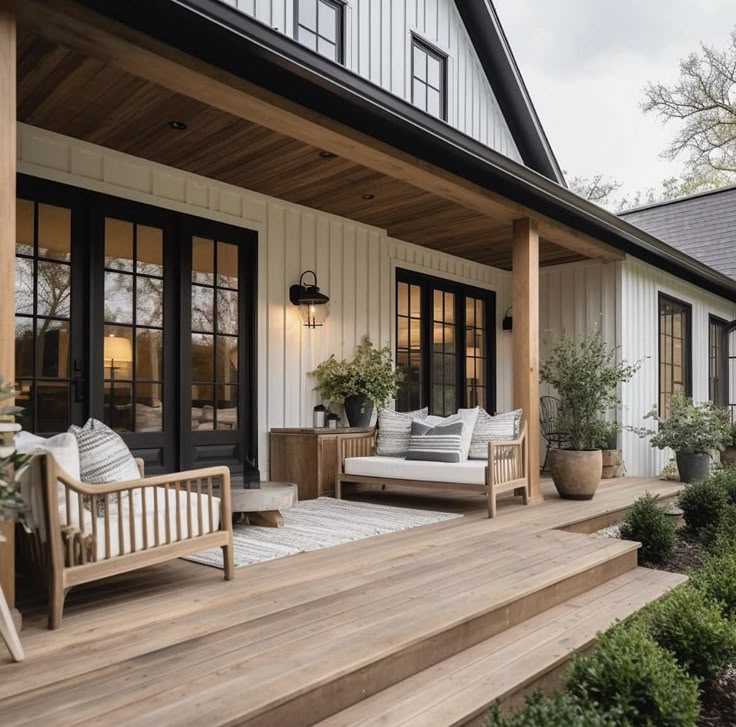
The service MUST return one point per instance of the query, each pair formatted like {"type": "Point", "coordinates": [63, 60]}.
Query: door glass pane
{"type": "Point", "coordinates": [203, 308]}
{"type": "Point", "coordinates": [203, 260]}
{"type": "Point", "coordinates": [24, 235]}
{"type": "Point", "coordinates": [118, 298]}
{"type": "Point", "coordinates": [203, 357]}
{"type": "Point", "coordinates": [227, 311]}
{"type": "Point", "coordinates": [119, 405]}
{"type": "Point", "coordinates": [149, 355]}
{"type": "Point", "coordinates": [150, 250]}
{"type": "Point", "coordinates": [118, 244]}
{"type": "Point", "coordinates": [203, 408]}
{"type": "Point", "coordinates": [148, 408]}
{"type": "Point", "coordinates": [52, 402]}
{"type": "Point", "coordinates": [227, 265]}
{"type": "Point", "coordinates": [53, 289]}
{"type": "Point", "coordinates": [150, 301]}
{"type": "Point", "coordinates": [52, 348]}
{"type": "Point", "coordinates": [117, 352]}
{"type": "Point", "coordinates": [23, 347]}
{"type": "Point", "coordinates": [227, 359]}
{"type": "Point", "coordinates": [227, 407]}
{"type": "Point", "coordinates": [23, 285]}
{"type": "Point", "coordinates": [54, 232]}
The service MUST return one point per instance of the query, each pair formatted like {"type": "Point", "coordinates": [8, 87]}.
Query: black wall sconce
{"type": "Point", "coordinates": [508, 321]}
{"type": "Point", "coordinates": [313, 308]}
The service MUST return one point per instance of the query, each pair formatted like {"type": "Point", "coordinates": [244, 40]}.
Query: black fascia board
{"type": "Point", "coordinates": [493, 50]}
{"type": "Point", "coordinates": [225, 37]}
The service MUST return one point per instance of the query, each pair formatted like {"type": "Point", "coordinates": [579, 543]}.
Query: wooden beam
{"type": "Point", "coordinates": [525, 338]}
{"type": "Point", "coordinates": [66, 23]}
{"type": "Point", "coordinates": [8, 153]}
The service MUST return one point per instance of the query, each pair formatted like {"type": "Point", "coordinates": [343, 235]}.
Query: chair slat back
{"type": "Point", "coordinates": [549, 408]}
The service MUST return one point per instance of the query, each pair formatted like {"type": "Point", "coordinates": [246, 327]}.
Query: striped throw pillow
{"type": "Point", "coordinates": [394, 430]}
{"type": "Point", "coordinates": [103, 457]}
{"type": "Point", "coordinates": [442, 443]}
{"type": "Point", "coordinates": [498, 428]}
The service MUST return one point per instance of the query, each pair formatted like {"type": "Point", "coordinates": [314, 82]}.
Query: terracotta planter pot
{"type": "Point", "coordinates": [728, 456]}
{"type": "Point", "coordinates": [611, 463]}
{"type": "Point", "coordinates": [576, 474]}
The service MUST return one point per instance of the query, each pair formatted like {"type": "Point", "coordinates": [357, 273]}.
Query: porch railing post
{"type": "Point", "coordinates": [8, 154]}
{"type": "Point", "coordinates": [525, 338]}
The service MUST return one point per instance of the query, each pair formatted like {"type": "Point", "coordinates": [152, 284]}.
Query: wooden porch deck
{"type": "Point", "coordinates": [347, 634]}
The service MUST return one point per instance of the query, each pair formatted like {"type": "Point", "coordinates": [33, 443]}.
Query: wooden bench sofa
{"type": "Point", "coordinates": [84, 532]}
{"type": "Point", "coordinates": [505, 469]}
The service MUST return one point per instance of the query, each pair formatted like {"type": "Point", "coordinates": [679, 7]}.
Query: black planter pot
{"type": "Point", "coordinates": [358, 410]}
{"type": "Point", "coordinates": [693, 466]}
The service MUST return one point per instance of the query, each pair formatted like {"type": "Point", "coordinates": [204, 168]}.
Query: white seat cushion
{"type": "Point", "coordinates": [469, 472]}
{"type": "Point", "coordinates": [118, 548]}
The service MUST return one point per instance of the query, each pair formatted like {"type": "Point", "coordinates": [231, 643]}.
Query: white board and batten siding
{"type": "Point", "coordinates": [378, 47]}
{"type": "Point", "coordinates": [355, 264]}
{"type": "Point", "coordinates": [639, 338]}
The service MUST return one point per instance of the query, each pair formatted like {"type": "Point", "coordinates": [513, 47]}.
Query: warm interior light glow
{"type": "Point", "coordinates": [118, 353]}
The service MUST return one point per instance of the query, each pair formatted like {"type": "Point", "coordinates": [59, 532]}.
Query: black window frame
{"type": "Point", "coordinates": [687, 309]}
{"type": "Point", "coordinates": [339, 7]}
{"type": "Point", "coordinates": [433, 52]}
{"type": "Point", "coordinates": [428, 284]}
{"type": "Point", "coordinates": [721, 396]}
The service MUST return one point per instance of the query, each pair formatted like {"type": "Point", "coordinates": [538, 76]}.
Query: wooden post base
{"type": "Point", "coordinates": [267, 519]}
{"type": "Point", "coordinates": [8, 632]}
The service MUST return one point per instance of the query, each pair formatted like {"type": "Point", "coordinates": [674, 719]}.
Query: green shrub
{"type": "Point", "coordinates": [694, 630]}
{"type": "Point", "coordinates": [629, 674]}
{"type": "Point", "coordinates": [720, 537]}
{"type": "Point", "coordinates": [559, 710]}
{"type": "Point", "coordinates": [648, 524]}
{"type": "Point", "coordinates": [717, 581]}
{"type": "Point", "coordinates": [725, 478]}
{"type": "Point", "coordinates": [702, 504]}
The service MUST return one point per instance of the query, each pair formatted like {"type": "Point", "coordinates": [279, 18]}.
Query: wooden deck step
{"type": "Point", "coordinates": [306, 662]}
{"type": "Point", "coordinates": [459, 690]}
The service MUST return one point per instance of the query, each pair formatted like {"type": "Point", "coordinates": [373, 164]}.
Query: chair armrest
{"type": "Point", "coordinates": [507, 459]}
{"type": "Point", "coordinates": [356, 445]}
{"type": "Point", "coordinates": [141, 465]}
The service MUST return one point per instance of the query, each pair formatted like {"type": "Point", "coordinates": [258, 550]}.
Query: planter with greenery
{"type": "Point", "coordinates": [610, 453]}
{"type": "Point", "coordinates": [369, 379]}
{"type": "Point", "coordinates": [585, 373]}
{"type": "Point", "coordinates": [728, 455]}
{"type": "Point", "coordinates": [693, 431]}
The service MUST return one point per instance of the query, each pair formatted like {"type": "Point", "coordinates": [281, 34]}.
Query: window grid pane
{"type": "Point", "coordinates": [674, 352]}
{"type": "Point", "coordinates": [43, 308]}
{"type": "Point", "coordinates": [319, 26]}
{"type": "Point", "coordinates": [428, 79]}
{"type": "Point", "coordinates": [133, 327]}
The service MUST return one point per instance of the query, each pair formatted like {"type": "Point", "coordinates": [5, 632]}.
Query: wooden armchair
{"type": "Point", "coordinates": [87, 532]}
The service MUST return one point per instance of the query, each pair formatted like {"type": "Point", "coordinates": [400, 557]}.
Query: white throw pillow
{"type": "Point", "coordinates": [498, 428]}
{"type": "Point", "coordinates": [103, 455]}
{"type": "Point", "coordinates": [468, 417]}
{"type": "Point", "coordinates": [63, 447]}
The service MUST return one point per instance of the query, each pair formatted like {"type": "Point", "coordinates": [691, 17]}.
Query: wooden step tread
{"type": "Point", "coordinates": [279, 668]}
{"type": "Point", "coordinates": [461, 688]}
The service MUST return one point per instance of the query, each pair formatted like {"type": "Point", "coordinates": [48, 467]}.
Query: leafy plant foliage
{"type": "Point", "coordinates": [717, 580]}
{"type": "Point", "coordinates": [585, 374]}
{"type": "Point", "coordinates": [702, 504]}
{"type": "Point", "coordinates": [648, 524]}
{"type": "Point", "coordinates": [559, 710]}
{"type": "Point", "coordinates": [12, 506]}
{"type": "Point", "coordinates": [369, 373]}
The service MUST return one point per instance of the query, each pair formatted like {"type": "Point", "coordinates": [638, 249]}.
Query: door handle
{"type": "Point", "coordinates": [79, 389]}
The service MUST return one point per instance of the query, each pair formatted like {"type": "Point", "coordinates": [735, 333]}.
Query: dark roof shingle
{"type": "Point", "coordinates": [702, 225]}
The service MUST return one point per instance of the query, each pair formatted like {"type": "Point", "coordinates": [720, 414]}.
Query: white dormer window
{"type": "Point", "coordinates": [318, 24]}
{"type": "Point", "coordinates": [429, 78]}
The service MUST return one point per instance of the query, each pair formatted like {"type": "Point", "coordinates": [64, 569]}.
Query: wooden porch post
{"type": "Point", "coordinates": [7, 247]}
{"type": "Point", "coordinates": [525, 338]}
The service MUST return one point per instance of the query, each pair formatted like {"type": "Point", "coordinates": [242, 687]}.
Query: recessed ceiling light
{"type": "Point", "coordinates": [178, 125]}
{"type": "Point", "coordinates": [327, 155]}
{"type": "Point", "coordinates": [367, 195]}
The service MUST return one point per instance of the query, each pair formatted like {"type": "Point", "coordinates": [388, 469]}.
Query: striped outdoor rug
{"type": "Point", "coordinates": [317, 524]}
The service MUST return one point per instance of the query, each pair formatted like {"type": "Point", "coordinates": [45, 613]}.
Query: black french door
{"type": "Point", "coordinates": [142, 318]}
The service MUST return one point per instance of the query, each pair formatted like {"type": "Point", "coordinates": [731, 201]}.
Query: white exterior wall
{"type": "Point", "coordinates": [641, 285]}
{"type": "Point", "coordinates": [378, 47]}
{"type": "Point", "coordinates": [355, 264]}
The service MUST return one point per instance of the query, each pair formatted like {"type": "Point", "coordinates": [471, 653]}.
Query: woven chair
{"type": "Point", "coordinates": [549, 407]}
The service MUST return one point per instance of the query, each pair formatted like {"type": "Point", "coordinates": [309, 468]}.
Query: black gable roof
{"type": "Point", "coordinates": [702, 226]}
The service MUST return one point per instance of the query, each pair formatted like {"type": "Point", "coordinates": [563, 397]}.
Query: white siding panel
{"type": "Point", "coordinates": [641, 286]}
{"type": "Point", "coordinates": [378, 47]}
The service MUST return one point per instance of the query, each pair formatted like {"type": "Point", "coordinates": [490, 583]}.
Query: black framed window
{"type": "Point", "coordinates": [428, 78]}
{"type": "Point", "coordinates": [717, 361]}
{"type": "Point", "coordinates": [43, 274]}
{"type": "Point", "coordinates": [318, 24]}
{"type": "Point", "coordinates": [445, 344]}
{"type": "Point", "coordinates": [675, 350]}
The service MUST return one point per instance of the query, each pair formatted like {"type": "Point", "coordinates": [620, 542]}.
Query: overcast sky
{"type": "Point", "coordinates": [586, 62]}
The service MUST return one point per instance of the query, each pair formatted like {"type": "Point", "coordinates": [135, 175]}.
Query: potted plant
{"type": "Point", "coordinates": [369, 379]}
{"type": "Point", "coordinates": [585, 374]}
{"type": "Point", "coordinates": [12, 508]}
{"type": "Point", "coordinates": [693, 431]}
{"type": "Point", "coordinates": [610, 453]}
{"type": "Point", "coordinates": [728, 455]}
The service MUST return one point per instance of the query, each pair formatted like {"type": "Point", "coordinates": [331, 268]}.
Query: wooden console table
{"type": "Point", "coordinates": [308, 457]}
